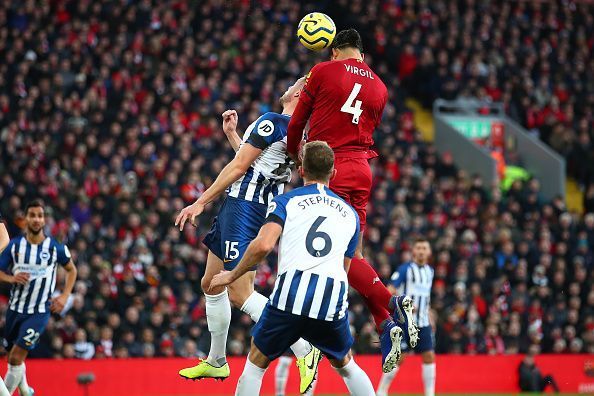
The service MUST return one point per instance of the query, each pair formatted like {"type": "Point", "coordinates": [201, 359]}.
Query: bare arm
{"type": "Point", "coordinates": [21, 278]}
{"type": "Point", "coordinates": [230, 128]}
{"type": "Point", "coordinates": [59, 302]}
{"type": "Point", "coordinates": [4, 238]}
{"type": "Point", "coordinates": [230, 173]}
{"type": "Point", "coordinates": [256, 251]}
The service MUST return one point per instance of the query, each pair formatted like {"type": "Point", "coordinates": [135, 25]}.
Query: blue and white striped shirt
{"type": "Point", "coordinates": [40, 261]}
{"type": "Point", "coordinates": [416, 281]}
{"type": "Point", "coordinates": [266, 177]}
{"type": "Point", "coordinates": [319, 231]}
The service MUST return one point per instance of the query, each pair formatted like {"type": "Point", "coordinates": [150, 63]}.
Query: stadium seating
{"type": "Point", "coordinates": [110, 111]}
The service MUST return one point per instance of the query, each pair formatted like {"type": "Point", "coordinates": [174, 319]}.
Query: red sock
{"type": "Point", "coordinates": [364, 279]}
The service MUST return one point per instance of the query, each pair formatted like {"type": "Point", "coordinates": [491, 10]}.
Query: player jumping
{"type": "Point", "coordinates": [32, 260]}
{"type": "Point", "coordinates": [318, 234]}
{"type": "Point", "coordinates": [415, 278]}
{"type": "Point", "coordinates": [343, 100]}
{"type": "Point", "coordinates": [257, 174]}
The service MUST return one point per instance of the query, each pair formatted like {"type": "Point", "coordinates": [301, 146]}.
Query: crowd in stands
{"type": "Point", "coordinates": [110, 112]}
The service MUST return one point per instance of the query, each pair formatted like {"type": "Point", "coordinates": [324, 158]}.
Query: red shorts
{"type": "Point", "coordinates": [353, 183]}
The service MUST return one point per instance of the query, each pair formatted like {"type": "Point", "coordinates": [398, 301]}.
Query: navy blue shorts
{"type": "Point", "coordinates": [277, 330]}
{"type": "Point", "coordinates": [426, 341]}
{"type": "Point", "coordinates": [24, 330]}
{"type": "Point", "coordinates": [236, 225]}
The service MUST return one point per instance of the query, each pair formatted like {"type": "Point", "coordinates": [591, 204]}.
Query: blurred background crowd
{"type": "Point", "coordinates": [110, 112]}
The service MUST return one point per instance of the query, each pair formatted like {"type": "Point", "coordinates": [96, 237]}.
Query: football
{"type": "Point", "coordinates": [316, 31]}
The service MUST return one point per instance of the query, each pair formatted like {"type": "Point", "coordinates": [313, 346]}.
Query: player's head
{"type": "Point", "coordinates": [318, 162]}
{"type": "Point", "coordinates": [35, 217]}
{"type": "Point", "coordinates": [347, 44]}
{"type": "Point", "coordinates": [291, 96]}
{"type": "Point", "coordinates": [421, 251]}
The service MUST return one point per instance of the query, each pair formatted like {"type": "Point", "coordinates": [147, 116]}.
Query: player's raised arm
{"type": "Point", "coordinates": [255, 253]}
{"type": "Point", "coordinates": [230, 128]}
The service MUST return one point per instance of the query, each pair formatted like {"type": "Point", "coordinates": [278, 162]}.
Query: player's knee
{"type": "Point", "coordinates": [428, 357]}
{"type": "Point", "coordinates": [205, 284]}
{"type": "Point", "coordinates": [339, 363]}
{"type": "Point", "coordinates": [16, 357]}
{"type": "Point", "coordinates": [237, 299]}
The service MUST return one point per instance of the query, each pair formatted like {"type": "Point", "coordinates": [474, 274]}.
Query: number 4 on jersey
{"type": "Point", "coordinates": [353, 106]}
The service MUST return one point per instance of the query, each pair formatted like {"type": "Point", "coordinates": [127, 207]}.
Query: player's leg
{"type": "Point", "coordinates": [16, 367]}
{"type": "Point", "coordinates": [250, 382]}
{"type": "Point", "coordinates": [218, 316]}
{"type": "Point", "coordinates": [243, 296]}
{"type": "Point", "coordinates": [271, 336]}
{"type": "Point", "coordinates": [3, 389]}
{"type": "Point", "coordinates": [281, 375]}
{"type": "Point", "coordinates": [355, 379]}
{"type": "Point", "coordinates": [353, 183]}
{"type": "Point", "coordinates": [24, 333]}
{"type": "Point", "coordinates": [426, 348]}
{"type": "Point", "coordinates": [334, 339]}
{"type": "Point", "coordinates": [387, 378]}
{"type": "Point", "coordinates": [429, 373]}
{"type": "Point", "coordinates": [218, 311]}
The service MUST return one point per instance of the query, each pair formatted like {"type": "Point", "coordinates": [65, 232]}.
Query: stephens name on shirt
{"type": "Point", "coordinates": [326, 200]}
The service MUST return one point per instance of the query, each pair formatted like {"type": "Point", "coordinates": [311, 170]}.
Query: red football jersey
{"type": "Point", "coordinates": [343, 102]}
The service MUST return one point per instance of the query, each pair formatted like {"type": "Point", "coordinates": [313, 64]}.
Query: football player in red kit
{"type": "Point", "coordinates": [343, 100]}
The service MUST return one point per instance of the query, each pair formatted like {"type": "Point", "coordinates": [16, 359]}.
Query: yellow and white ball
{"type": "Point", "coordinates": [316, 31]}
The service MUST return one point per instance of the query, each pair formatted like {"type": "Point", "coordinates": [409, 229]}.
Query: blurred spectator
{"type": "Point", "coordinates": [531, 380]}
{"type": "Point", "coordinates": [109, 112]}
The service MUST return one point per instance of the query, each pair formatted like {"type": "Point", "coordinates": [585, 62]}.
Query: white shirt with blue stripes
{"type": "Point", "coordinates": [40, 261]}
{"type": "Point", "coordinates": [319, 231]}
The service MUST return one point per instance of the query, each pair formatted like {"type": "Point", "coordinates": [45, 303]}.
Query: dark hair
{"type": "Point", "coordinates": [349, 38]}
{"type": "Point", "coordinates": [318, 161]}
{"type": "Point", "coordinates": [36, 203]}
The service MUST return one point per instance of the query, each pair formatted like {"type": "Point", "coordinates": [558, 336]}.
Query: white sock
{"type": "Point", "coordinates": [255, 304]}
{"type": "Point", "coordinates": [355, 379]}
{"type": "Point", "coordinates": [218, 316]}
{"type": "Point", "coordinates": [429, 379]}
{"type": "Point", "coordinates": [386, 381]}
{"type": "Point", "coordinates": [3, 389]}
{"type": "Point", "coordinates": [23, 385]}
{"type": "Point", "coordinates": [13, 377]}
{"type": "Point", "coordinates": [281, 375]}
{"type": "Point", "coordinates": [250, 382]}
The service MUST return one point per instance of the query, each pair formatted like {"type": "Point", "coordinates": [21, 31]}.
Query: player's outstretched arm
{"type": "Point", "coordinates": [255, 253]}
{"type": "Point", "coordinates": [230, 119]}
{"type": "Point", "coordinates": [59, 302]}
{"type": "Point", "coordinates": [4, 238]}
{"type": "Point", "coordinates": [230, 174]}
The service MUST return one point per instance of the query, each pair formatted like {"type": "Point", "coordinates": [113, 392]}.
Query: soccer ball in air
{"type": "Point", "coordinates": [316, 31]}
